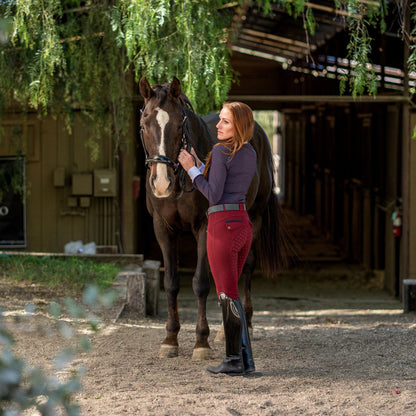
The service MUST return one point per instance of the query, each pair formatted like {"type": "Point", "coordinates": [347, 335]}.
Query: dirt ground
{"type": "Point", "coordinates": [326, 341]}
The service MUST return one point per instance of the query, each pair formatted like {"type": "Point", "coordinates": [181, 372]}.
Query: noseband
{"type": "Point", "coordinates": [185, 144]}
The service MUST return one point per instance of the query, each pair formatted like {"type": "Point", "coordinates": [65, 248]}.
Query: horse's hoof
{"type": "Point", "coordinates": [220, 337]}
{"type": "Point", "coordinates": [201, 354]}
{"type": "Point", "coordinates": [168, 351]}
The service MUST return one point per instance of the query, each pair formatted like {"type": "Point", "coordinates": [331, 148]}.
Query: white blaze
{"type": "Point", "coordinates": [161, 182]}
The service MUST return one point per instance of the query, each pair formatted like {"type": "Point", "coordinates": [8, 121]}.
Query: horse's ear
{"type": "Point", "coordinates": [145, 89]}
{"type": "Point", "coordinates": [175, 88]}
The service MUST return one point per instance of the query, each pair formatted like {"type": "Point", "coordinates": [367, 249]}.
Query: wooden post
{"type": "Point", "coordinates": [136, 291]}
{"type": "Point", "coordinates": [409, 295]}
{"type": "Point", "coordinates": [405, 162]}
{"type": "Point", "coordinates": [152, 271]}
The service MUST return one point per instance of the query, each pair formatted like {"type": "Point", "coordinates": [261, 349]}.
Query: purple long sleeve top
{"type": "Point", "coordinates": [228, 180]}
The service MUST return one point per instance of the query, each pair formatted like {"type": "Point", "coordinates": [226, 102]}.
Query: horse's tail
{"type": "Point", "coordinates": [273, 246]}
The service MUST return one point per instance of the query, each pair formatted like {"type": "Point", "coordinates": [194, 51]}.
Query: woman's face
{"type": "Point", "coordinates": [225, 127]}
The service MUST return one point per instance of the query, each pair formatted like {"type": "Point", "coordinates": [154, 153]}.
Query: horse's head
{"type": "Point", "coordinates": [162, 122]}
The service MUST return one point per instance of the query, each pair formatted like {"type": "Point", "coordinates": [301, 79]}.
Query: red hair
{"type": "Point", "coordinates": [243, 125]}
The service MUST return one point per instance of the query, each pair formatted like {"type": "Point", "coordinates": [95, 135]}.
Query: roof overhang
{"type": "Point", "coordinates": [277, 45]}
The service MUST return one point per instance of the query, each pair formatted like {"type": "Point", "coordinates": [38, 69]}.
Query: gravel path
{"type": "Point", "coordinates": [326, 341]}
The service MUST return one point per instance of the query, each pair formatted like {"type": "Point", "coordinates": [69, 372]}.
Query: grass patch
{"type": "Point", "coordinates": [72, 272]}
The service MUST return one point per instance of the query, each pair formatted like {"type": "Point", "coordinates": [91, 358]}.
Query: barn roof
{"type": "Point", "coordinates": [275, 55]}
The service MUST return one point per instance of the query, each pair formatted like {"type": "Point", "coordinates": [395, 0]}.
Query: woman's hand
{"type": "Point", "coordinates": [186, 159]}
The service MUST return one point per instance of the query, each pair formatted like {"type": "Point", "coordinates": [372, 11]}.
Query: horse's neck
{"type": "Point", "coordinates": [202, 138]}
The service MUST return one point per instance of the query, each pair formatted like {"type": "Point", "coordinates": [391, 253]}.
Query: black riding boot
{"type": "Point", "coordinates": [232, 319]}
{"type": "Point", "coordinates": [245, 341]}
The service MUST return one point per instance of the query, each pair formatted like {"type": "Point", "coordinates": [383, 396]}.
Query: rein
{"type": "Point", "coordinates": [185, 144]}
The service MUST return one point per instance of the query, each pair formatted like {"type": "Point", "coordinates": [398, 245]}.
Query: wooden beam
{"type": "Point", "coordinates": [320, 98]}
{"type": "Point", "coordinates": [261, 54]}
{"type": "Point", "coordinates": [323, 8]}
{"type": "Point", "coordinates": [282, 39]}
{"type": "Point", "coordinates": [279, 46]}
{"type": "Point", "coordinates": [405, 161]}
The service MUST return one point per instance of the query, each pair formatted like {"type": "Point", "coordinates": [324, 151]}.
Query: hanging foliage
{"type": "Point", "coordinates": [362, 16]}
{"type": "Point", "coordinates": [187, 39]}
{"type": "Point", "coordinates": [63, 55]}
{"type": "Point", "coordinates": [69, 49]}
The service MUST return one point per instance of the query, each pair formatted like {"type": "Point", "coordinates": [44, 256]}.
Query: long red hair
{"type": "Point", "coordinates": [243, 125]}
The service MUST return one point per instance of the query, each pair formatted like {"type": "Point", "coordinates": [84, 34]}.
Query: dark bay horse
{"type": "Point", "coordinates": [167, 124]}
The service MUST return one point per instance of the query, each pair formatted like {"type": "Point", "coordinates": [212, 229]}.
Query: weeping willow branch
{"type": "Point", "coordinates": [67, 55]}
{"type": "Point", "coordinates": [185, 39]}
{"type": "Point", "coordinates": [362, 77]}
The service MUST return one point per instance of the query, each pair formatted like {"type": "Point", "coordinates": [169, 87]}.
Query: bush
{"type": "Point", "coordinates": [23, 387]}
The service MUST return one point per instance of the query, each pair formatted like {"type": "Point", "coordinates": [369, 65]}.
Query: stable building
{"type": "Point", "coordinates": [347, 162]}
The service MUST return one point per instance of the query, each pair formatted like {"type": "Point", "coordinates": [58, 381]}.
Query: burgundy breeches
{"type": "Point", "coordinates": [229, 238]}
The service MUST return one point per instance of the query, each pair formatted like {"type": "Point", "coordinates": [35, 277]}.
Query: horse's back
{"type": "Point", "coordinates": [259, 141]}
{"type": "Point", "coordinates": [211, 121]}
{"type": "Point", "coordinates": [262, 185]}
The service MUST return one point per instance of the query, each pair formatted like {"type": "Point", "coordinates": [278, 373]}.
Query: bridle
{"type": "Point", "coordinates": [185, 144]}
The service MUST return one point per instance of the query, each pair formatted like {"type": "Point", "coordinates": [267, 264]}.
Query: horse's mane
{"type": "Point", "coordinates": [161, 92]}
{"type": "Point", "coordinates": [185, 101]}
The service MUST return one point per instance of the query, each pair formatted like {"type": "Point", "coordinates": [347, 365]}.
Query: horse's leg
{"type": "Point", "coordinates": [201, 286]}
{"type": "Point", "coordinates": [247, 274]}
{"type": "Point", "coordinates": [248, 271]}
{"type": "Point", "coordinates": [168, 244]}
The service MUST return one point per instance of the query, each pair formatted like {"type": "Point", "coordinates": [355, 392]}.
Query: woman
{"type": "Point", "coordinates": [224, 181]}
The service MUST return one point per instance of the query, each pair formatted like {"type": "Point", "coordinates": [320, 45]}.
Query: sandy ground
{"type": "Point", "coordinates": [326, 341]}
